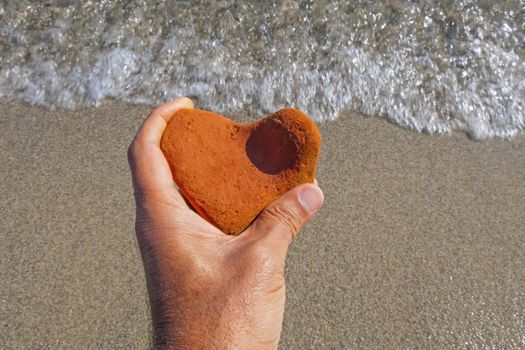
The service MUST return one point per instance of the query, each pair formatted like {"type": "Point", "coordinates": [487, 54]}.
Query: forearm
{"type": "Point", "coordinates": [185, 325]}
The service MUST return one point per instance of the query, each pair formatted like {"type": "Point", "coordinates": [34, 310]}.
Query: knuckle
{"type": "Point", "coordinates": [151, 200]}
{"type": "Point", "coordinates": [286, 217]}
{"type": "Point", "coordinates": [138, 145]}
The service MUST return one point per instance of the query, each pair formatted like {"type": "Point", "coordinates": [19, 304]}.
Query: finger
{"type": "Point", "coordinates": [278, 224]}
{"type": "Point", "coordinates": [155, 124]}
{"type": "Point", "coordinates": [149, 168]}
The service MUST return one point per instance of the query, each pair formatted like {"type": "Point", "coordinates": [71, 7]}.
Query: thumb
{"type": "Point", "coordinates": [278, 224]}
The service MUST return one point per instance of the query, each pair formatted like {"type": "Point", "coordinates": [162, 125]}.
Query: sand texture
{"type": "Point", "coordinates": [420, 245]}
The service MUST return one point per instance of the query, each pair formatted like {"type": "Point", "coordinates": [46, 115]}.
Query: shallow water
{"type": "Point", "coordinates": [431, 66]}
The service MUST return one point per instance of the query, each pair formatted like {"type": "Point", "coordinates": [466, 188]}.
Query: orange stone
{"type": "Point", "coordinates": [229, 172]}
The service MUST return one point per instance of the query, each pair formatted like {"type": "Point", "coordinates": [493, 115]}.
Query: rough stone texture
{"type": "Point", "coordinates": [229, 171]}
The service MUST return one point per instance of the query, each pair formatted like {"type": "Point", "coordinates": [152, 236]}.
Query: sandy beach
{"type": "Point", "coordinates": [420, 245]}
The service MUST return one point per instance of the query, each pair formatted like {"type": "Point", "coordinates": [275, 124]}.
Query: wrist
{"type": "Point", "coordinates": [204, 336]}
{"type": "Point", "coordinates": [178, 339]}
{"type": "Point", "coordinates": [190, 333]}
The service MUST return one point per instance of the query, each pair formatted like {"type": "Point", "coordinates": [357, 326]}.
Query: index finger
{"type": "Point", "coordinates": [153, 127]}
{"type": "Point", "coordinates": [149, 167]}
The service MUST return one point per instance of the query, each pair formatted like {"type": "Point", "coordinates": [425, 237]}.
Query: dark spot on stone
{"type": "Point", "coordinates": [271, 147]}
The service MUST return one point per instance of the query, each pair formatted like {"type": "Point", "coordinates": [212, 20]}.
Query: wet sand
{"type": "Point", "coordinates": [421, 243]}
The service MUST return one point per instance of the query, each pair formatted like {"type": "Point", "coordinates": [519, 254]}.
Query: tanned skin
{"type": "Point", "coordinates": [209, 290]}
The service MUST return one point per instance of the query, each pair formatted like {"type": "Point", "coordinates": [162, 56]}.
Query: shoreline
{"type": "Point", "coordinates": [419, 245]}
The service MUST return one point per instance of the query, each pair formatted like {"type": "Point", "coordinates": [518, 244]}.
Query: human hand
{"type": "Point", "coordinates": [208, 290]}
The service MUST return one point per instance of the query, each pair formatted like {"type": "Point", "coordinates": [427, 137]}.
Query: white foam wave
{"type": "Point", "coordinates": [430, 68]}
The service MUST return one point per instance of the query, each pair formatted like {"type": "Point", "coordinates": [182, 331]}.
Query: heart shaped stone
{"type": "Point", "coordinates": [229, 172]}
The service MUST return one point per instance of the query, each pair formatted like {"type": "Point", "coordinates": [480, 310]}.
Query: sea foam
{"type": "Point", "coordinates": [430, 66]}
